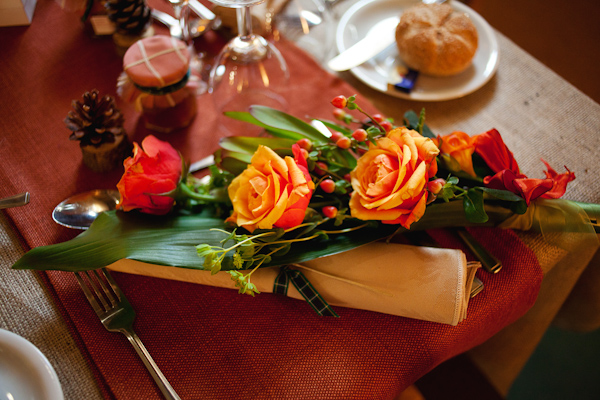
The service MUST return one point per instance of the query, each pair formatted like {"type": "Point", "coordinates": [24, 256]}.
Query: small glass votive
{"type": "Point", "coordinates": [155, 78]}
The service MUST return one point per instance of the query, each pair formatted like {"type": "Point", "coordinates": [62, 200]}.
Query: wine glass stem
{"type": "Point", "coordinates": [244, 22]}
{"type": "Point", "coordinates": [184, 23]}
{"type": "Point", "coordinates": [182, 13]}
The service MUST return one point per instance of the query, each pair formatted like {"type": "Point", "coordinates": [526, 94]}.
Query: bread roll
{"type": "Point", "coordinates": [436, 40]}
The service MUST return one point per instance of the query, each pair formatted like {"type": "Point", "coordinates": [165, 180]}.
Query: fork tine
{"type": "Point", "coordinates": [116, 289]}
{"type": "Point", "coordinates": [108, 290]}
{"type": "Point", "coordinates": [98, 291]}
{"type": "Point", "coordinates": [88, 294]}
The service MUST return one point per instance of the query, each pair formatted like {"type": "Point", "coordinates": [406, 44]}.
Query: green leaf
{"type": "Point", "coordinates": [172, 239]}
{"type": "Point", "coordinates": [501, 194]}
{"type": "Point", "coordinates": [519, 207]}
{"type": "Point", "coordinates": [164, 240]}
{"type": "Point", "coordinates": [247, 117]}
{"type": "Point", "coordinates": [474, 206]}
{"type": "Point", "coordinates": [336, 127]}
{"type": "Point", "coordinates": [411, 119]}
{"type": "Point", "coordinates": [452, 180]}
{"type": "Point", "coordinates": [447, 193]}
{"type": "Point", "coordinates": [232, 161]}
{"type": "Point", "coordinates": [417, 122]}
{"type": "Point", "coordinates": [249, 145]}
{"type": "Point", "coordinates": [480, 167]}
{"type": "Point", "coordinates": [168, 240]}
{"type": "Point", "coordinates": [279, 122]}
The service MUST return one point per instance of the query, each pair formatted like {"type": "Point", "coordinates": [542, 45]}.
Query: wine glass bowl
{"type": "Point", "coordinates": [248, 71]}
{"type": "Point", "coordinates": [307, 23]}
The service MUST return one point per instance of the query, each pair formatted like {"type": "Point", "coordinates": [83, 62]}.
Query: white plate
{"type": "Point", "coordinates": [382, 69]}
{"type": "Point", "coordinates": [25, 372]}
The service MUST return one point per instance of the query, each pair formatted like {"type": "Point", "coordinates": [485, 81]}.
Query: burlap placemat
{"type": "Point", "coordinates": [34, 316]}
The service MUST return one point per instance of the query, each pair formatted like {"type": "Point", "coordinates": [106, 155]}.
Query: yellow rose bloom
{"type": "Point", "coordinates": [272, 191]}
{"type": "Point", "coordinates": [390, 179]}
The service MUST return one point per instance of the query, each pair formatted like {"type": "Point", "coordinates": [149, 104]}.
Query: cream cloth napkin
{"type": "Point", "coordinates": [425, 283]}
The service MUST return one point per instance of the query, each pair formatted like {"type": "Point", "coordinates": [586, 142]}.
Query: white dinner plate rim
{"type": "Point", "coordinates": [23, 350]}
{"type": "Point", "coordinates": [487, 42]}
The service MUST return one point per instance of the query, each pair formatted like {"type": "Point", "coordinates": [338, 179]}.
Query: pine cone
{"type": "Point", "coordinates": [95, 120]}
{"type": "Point", "coordinates": [131, 17]}
{"type": "Point", "coordinates": [98, 125]}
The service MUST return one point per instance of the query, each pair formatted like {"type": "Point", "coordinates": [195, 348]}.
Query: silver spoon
{"type": "Point", "coordinates": [80, 210]}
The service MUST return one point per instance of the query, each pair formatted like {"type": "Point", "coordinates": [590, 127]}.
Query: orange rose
{"type": "Point", "coordinates": [272, 191]}
{"type": "Point", "coordinates": [460, 146]}
{"type": "Point", "coordinates": [390, 179]}
{"type": "Point", "coordinates": [155, 168]}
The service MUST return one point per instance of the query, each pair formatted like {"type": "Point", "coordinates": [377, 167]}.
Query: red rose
{"type": "Point", "coordinates": [499, 158]}
{"type": "Point", "coordinates": [154, 170]}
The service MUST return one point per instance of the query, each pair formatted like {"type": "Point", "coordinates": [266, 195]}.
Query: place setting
{"type": "Point", "coordinates": [385, 69]}
{"type": "Point", "coordinates": [232, 198]}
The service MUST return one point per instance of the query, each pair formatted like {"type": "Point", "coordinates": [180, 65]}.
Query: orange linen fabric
{"type": "Point", "coordinates": [212, 342]}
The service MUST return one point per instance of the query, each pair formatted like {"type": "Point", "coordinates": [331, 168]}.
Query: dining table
{"type": "Point", "coordinates": [213, 343]}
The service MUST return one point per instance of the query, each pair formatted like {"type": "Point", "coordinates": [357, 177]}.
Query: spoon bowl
{"type": "Point", "coordinates": [80, 210]}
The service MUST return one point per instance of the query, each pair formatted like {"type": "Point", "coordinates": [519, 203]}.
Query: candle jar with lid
{"type": "Point", "coordinates": [156, 78]}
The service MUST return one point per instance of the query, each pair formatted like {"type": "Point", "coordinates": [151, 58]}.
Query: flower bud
{"type": "Point", "coordinates": [328, 185]}
{"type": "Point", "coordinates": [343, 143]}
{"type": "Point", "coordinates": [320, 168]}
{"type": "Point", "coordinates": [360, 135]}
{"type": "Point", "coordinates": [339, 114]}
{"type": "Point", "coordinates": [330, 211]}
{"type": "Point", "coordinates": [335, 136]}
{"type": "Point", "coordinates": [387, 125]}
{"type": "Point", "coordinates": [305, 143]}
{"type": "Point", "coordinates": [339, 101]}
{"type": "Point", "coordinates": [435, 186]}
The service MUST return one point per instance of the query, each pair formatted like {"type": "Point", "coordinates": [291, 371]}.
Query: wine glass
{"type": "Point", "coordinates": [181, 10]}
{"type": "Point", "coordinates": [308, 23]}
{"type": "Point", "coordinates": [248, 71]}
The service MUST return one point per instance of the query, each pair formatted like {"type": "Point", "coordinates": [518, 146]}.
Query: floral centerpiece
{"type": "Point", "coordinates": [311, 190]}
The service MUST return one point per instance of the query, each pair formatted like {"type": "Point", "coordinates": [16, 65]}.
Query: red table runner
{"type": "Point", "coordinates": [211, 342]}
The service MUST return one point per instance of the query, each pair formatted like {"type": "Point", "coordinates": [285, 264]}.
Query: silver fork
{"type": "Point", "coordinates": [117, 315]}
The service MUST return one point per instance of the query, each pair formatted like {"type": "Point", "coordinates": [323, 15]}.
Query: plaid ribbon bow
{"type": "Point", "coordinates": [305, 288]}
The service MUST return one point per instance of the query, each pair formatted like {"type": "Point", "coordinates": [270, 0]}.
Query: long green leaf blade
{"type": "Point", "coordinates": [117, 235]}
{"type": "Point", "coordinates": [246, 117]}
{"type": "Point", "coordinates": [245, 144]}
{"type": "Point", "coordinates": [283, 121]}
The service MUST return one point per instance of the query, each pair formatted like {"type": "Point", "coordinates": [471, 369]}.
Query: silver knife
{"type": "Point", "coordinates": [378, 38]}
{"type": "Point", "coordinates": [169, 21]}
{"type": "Point", "coordinates": [14, 201]}
{"type": "Point", "coordinates": [201, 164]}
{"type": "Point", "coordinates": [201, 10]}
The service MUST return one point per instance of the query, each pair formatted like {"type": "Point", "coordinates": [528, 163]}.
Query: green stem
{"type": "Point", "coordinates": [355, 228]}
{"type": "Point", "coordinates": [368, 116]}
{"type": "Point", "coordinates": [189, 193]}
{"type": "Point", "coordinates": [245, 240]}
{"type": "Point", "coordinates": [286, 241]}
{"type": "Point", "coordinates": [263, 260]}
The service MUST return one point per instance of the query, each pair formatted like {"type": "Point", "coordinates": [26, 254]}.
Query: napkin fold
{"type": "Point", "coordinates": [430, 284]}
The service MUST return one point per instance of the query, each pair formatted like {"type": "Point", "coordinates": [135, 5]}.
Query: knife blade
{"type": "Point", "coordinates": [169, 21]}
{"type": "Point", "coordinates": [201, 164]}
{"type": "Point", "coordinates": [14, 201]}
{"type": "Point", "coordinates": [201, 10]}
{"type": "Point", "coordinates": [378, 38]}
